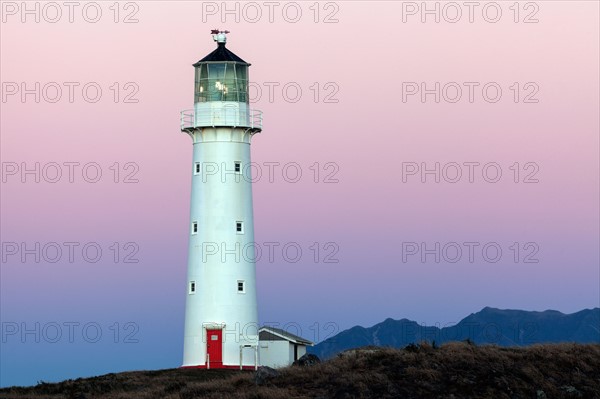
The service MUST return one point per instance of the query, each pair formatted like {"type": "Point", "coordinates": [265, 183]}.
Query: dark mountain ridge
{"type": "Point", "coordinates": [503, 327]}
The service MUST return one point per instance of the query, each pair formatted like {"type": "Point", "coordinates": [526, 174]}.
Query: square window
{"type": "Point", "coordinates": [197, 168]}
{"type": "Point", "coordinates": [192, 287]}
{"type": "Point", "coordinates": [241, 286]}
{"type": "Point", "coordinates": [239, 227]}
{"type": "Point", "coordinates": [194, 227]}
{"type": "Point", "coordinates": [238, 167]}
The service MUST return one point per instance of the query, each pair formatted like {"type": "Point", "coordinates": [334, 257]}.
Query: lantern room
{"type": "Point", "coordinates": [221, 91]}
{"type": "Point", "coordinates": [221, 81]}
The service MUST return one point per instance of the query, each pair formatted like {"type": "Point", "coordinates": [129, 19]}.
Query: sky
{"type": "Point", "coordinates": [417, 161]}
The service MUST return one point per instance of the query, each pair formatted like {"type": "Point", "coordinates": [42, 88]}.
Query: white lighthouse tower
{"type": "Point", "coordinates": [221, 317]}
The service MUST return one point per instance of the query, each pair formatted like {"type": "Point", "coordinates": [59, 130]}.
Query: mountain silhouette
{"type": "Point", "coordinates": [488, 326]}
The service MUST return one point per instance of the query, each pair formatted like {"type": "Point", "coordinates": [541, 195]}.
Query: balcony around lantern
{"type": "Point", "coordinates": [219, 114]}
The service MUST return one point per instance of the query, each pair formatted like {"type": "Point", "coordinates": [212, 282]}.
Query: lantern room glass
{"type": "Point", "coordinates": [221, 81]}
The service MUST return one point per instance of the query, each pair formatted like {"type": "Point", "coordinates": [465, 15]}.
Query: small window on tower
{"type": "Point", "coordinates": [194, 227]}
{"type": "Point", "coordinates": [238, 167]}
{"type": "Point", "coordinates": [239, 227]}
{"type": "Point", "coordinates": [197, 168]}
{"type": "Point", "coordinates": [241, 287]}
{"type": "Point", "coordinates": [192, 287]}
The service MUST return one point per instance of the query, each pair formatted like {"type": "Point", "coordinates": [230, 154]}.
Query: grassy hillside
{"type": "Point", "coordinates": [455, 370]}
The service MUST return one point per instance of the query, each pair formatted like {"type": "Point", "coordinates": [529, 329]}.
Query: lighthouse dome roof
{"type": "Point", "coordinates": [221, 54]}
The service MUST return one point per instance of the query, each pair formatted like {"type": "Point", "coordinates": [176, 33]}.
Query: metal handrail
{"type": "Point", "coordinates": [221, 117]}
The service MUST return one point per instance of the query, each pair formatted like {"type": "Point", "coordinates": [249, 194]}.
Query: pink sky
{"type": "Point", "coordinates": [368, 135]}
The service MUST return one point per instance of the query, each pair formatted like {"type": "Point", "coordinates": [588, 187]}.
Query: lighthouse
{"type": "Point", "coordinates": [221, 316]}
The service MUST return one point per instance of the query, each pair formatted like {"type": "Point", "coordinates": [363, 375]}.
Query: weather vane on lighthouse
{"type": "Point", "coordinates": [219, 35]}
{"type": "Point", "coordinates": [221, 317]}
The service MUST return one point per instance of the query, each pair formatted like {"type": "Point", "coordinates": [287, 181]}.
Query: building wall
{"type": "Point", "coordinates": [218, 201]}
{"type": "Point", "coordinates": [278, 353]}
{"type": "Point", "coordinates": [301, 351]}
{"type": "Point", "coordinates": [275, 353]}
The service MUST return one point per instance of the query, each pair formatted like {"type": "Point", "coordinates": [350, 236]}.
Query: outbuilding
{"type": "Point", "coordinates": [279, 348]}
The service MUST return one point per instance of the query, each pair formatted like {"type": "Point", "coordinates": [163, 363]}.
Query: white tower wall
{"type": "Point", "coordinates": [220, 256]}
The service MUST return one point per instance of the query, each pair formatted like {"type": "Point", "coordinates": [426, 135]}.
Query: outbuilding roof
{"type": "Point", "coordinates": [271, 333]}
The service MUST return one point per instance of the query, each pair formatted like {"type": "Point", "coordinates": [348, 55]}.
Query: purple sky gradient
{"type": "Point", "coordinates": [366, 136]}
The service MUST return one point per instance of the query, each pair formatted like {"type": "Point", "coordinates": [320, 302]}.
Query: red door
{"type": "Point", "coordinates": [214, 348]}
